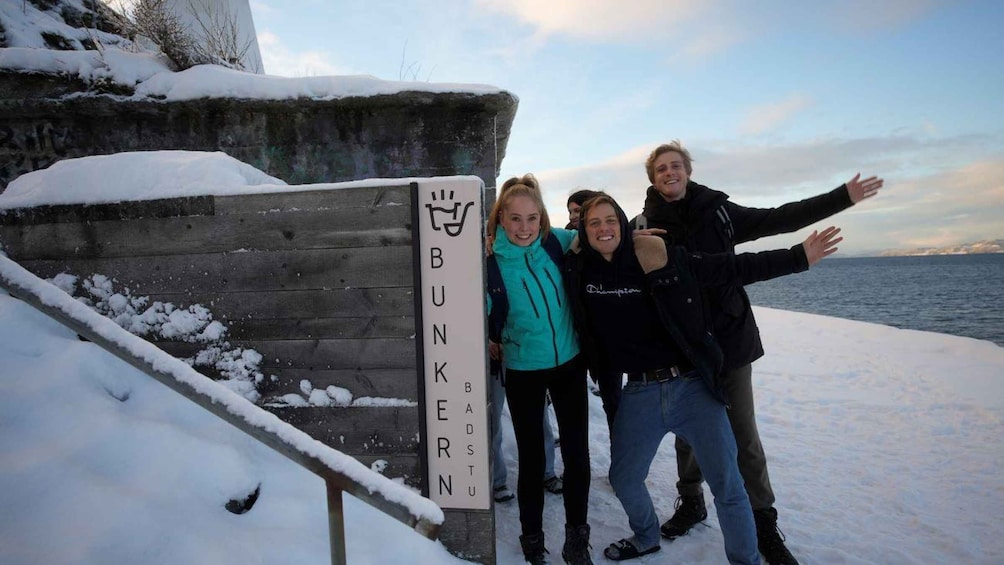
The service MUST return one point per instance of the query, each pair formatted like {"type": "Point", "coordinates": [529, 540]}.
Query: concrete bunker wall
{"type": "Point", "coordinates": [319, 282]}
{"type": "Point", "coordinates": [302, 141]}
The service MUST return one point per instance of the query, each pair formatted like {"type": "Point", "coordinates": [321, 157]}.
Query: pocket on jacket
{"type": "Point", "coordinates": [732, 303]}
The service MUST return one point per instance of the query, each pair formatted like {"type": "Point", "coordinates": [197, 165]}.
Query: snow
{"type": "Point", "coordinates": [215, 81]}
{"type": "Point", "coordinates": [884, 448]}
{"type": "Point", "coordinates": [53, 297]}
{"type": "Point", "coordinates": [141, 175]}
{"type": "Point", "coordinates": [883, 443]}
{"type": "Point", "coordinates": [121, 67]}
{"type": "Point", "coordinates": [148, 74]}
{"type": "Point", "coordinates": [24, 24]}
{"type": "Point", "coordinates": [151, 175]}
{"type": "Point", "coordinates": [127, 64]}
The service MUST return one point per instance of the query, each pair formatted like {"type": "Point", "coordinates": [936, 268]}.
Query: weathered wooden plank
{"type": "Point", "coordinates": [342, 228]}
{"type": "Point", "coordinates": [357, 431]}
{"type": "Point", "coordinates": [471, 533]}
{"type": "Point", "coordinates": [321, 328]}
{"type": "Point", "coordinates": [401, 466]}
{"type": "Point", "coordinates": [298, 304]}
{"type": "Point", "coordinates": [71, 213]}
{"type": "Point", "coordinates": [380, 383]}
{"type": "Point", "coordinates": [320, 354]}
{"type": "Point", "coordinates": [366, 267]}
{"type": "Point", "coordinates": [358, 197]}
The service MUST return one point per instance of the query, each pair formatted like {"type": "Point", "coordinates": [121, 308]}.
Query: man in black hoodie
{"type": "Point", "coordinates": [610, 384]}
{"type": "Point", "coordinates": [638, 310]}
{"type": "Point", "coordinates": [702, 219]}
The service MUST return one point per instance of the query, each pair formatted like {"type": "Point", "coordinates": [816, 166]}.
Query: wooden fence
{"type": "Point", "coordinates": [318, 281]}
{"type": "Point", "coordinates": [284, 438]}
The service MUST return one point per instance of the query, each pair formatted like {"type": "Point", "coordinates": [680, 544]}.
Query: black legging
{"type": "Point", "coordinates": [610, 385]}
{"type": "Point", "coordinates": [525, 394]}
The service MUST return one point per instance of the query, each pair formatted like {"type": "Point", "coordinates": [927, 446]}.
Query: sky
{"type": "Point", "coordinates": [884, 444]}
{"type": "Point", "coordinates": [776, 101]}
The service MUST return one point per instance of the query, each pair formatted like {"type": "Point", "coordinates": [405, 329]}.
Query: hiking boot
{"type": "Point", "coordinates": [770, 539]}
{"type": "Point", "coordinates": [576, 549]}
{"type": "Point", "coordinates": [690, 511]}
{"type": "Point", "coordinates": [503, 494]}
{"type": "Point", "coordinates": [554, 485]}
{"type": "Point", "coordinates": [533, 548]}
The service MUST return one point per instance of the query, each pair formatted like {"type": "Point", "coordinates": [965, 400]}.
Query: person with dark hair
{"type": "Point", "coordinates": [575, 202]}
{"type": "Point", "coordinates": [705, 220]}
{"type": "Point", "coordinates": [638, 310]}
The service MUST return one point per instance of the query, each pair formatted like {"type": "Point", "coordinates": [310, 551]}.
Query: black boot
{"type": "Point", "coordinates": [576, 550]}
{"type": "Point", "coordinates": [690, 511]}
{"type": "Point", "coordinates": [533, 548]}
{"type": "Point", "coordinates": [770, 539]}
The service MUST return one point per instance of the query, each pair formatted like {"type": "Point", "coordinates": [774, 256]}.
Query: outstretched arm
{"type": "Point", "coordinates": [753, 223]}
{"type": "Point", "coordinates": [821, 244]}
{"type": "Point", "coordinates": [858, 189]}
{"type": "Point", "coordinates": [726, 269]}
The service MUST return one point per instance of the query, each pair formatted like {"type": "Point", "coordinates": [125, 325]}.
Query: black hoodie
{"type": "Point", "coordinates": [671, 280]}
{"type": "Point", "coordinates": [618, 310]}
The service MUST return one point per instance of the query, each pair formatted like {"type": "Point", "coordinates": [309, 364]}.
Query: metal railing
{"type": "Point", "coordinates": [420, 513]}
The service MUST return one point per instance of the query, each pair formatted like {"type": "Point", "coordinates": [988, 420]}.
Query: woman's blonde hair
{"type": "Point", "coordinates": [525, 185]}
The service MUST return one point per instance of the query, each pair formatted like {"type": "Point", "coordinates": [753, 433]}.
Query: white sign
{"type": "Point", "coordinates": [450, 218]}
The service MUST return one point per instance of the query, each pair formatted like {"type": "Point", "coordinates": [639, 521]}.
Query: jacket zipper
{"type": "Point", "coordinates": [550, 322]}
{"type": "Point", "coordinates": [555, 287]}
{"type": "Point", "coordinates": [530, 296]}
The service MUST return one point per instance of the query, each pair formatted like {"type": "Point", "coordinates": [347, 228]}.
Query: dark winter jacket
{"type": "Point", "coordinates": [695, 223]}
{"type": "Point", "coordinates": [674, 278]}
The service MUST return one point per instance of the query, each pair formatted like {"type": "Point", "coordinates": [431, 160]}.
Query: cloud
{"type": "Point", "coordinates": [766, 117]}
{"type": "Point", "coordinates": [711, 41]}
{"type": "Point", "coordinates": [601, 20]}
{"type": "Point", "coordinates": [956, 206]}
{"type": "Point", "coordinates": [950, 202]}
{"type": "Point", "coordinates": [262, 9]}
{"type": "Point", "coordinates": [868, 16]}
{"type": "Point", "coordinates": [279, 60]}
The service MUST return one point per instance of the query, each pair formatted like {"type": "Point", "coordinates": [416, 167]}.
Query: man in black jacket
{"type": "Point", "coordinates": [638, 309]}
{"type": "Point", "coordinates": [705, 220]}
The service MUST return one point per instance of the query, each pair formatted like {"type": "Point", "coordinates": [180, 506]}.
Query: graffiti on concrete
{"type": "Point", "coordinates": [27, 147]}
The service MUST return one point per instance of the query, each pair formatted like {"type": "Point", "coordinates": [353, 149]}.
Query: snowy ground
{"type": "Point", "coordinates": [884, 448]}
{"type": "Point", "coordinates": [884, 444]}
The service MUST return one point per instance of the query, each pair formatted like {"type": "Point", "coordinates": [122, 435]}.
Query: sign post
{"type": "Point", "coordinates": [451, 343]}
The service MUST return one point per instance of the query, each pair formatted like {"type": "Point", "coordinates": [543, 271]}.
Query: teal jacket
{"type": "Point", "coordinates": [539, 332]}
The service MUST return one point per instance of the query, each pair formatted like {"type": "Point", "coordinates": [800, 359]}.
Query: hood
{"type": "Point", "coordinates": [625, 249]}
{"type": "Point", "coordinates": [698, 199]}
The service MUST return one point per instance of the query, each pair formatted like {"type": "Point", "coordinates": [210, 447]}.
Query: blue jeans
{"type": "Point", "coordinates": [685, 407]}
{"type": "Point", "coordinates": [499, 473]}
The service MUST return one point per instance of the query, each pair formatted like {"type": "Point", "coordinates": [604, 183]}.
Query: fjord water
{"type": "Point", "coordinates": [954, 294]}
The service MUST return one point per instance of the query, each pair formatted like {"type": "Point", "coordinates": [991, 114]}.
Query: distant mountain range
{"type": "Point", "coordinates": [987, 246]}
